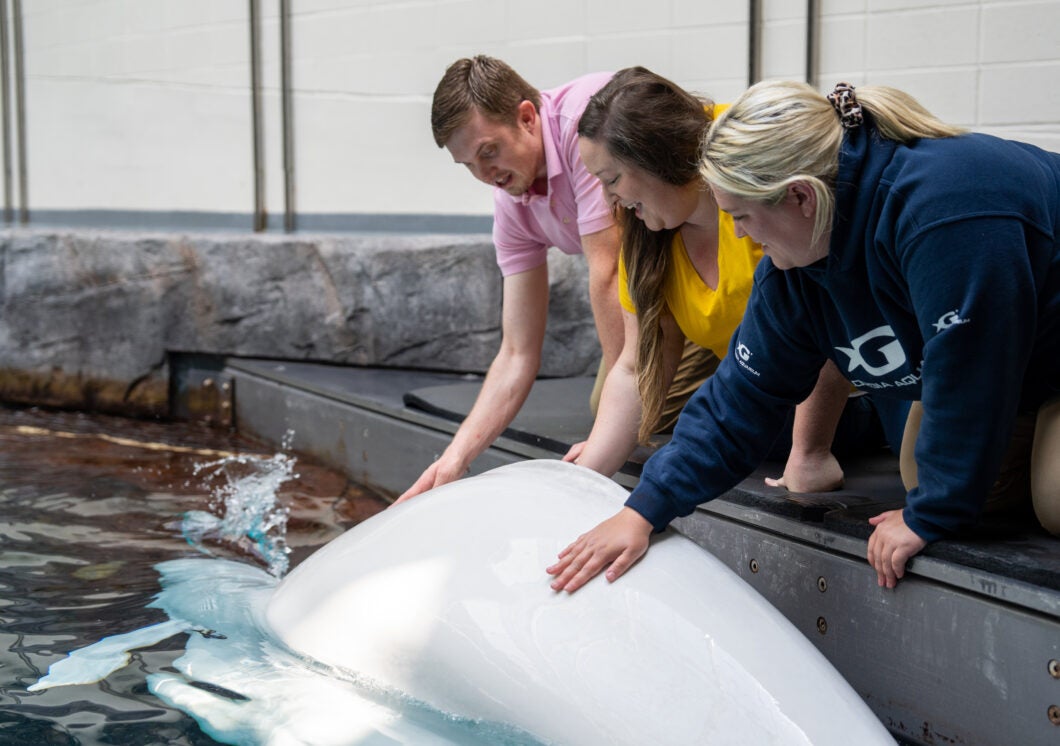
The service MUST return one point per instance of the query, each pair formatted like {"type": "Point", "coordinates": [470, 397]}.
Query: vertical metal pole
{"type": "Point", "coordinates": [5, 115]}
{"type": "Point", "coordinates": [20, 115]}
{"type": "Point", "coordinates": [260, 216]}
{"type": "Point", "coordinates": [288, 124]}
{"type": "Point", "coordinates": [754, 38]}
{"type": "Point", "coordinates": [813, 42]}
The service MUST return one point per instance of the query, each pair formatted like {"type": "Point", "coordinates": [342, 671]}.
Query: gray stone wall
{"type": "Point", "coordinates": [87, 317]}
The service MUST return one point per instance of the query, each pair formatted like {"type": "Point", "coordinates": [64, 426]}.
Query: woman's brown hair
{"type": "Point", "coordinates": [650, 123]}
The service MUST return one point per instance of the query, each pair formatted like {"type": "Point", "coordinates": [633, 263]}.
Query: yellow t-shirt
{"type": "Point", "coordinates": [706, 316]}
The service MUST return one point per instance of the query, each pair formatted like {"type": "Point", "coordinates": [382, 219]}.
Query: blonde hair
{"type": "Point", "coordinates": [780, 132]}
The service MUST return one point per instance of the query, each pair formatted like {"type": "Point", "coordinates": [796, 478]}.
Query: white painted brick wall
{"type": "Point", "coordinates": [144, 104]}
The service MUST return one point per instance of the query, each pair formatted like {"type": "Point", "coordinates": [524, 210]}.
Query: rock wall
{"type": "Point", "coordinates": [87, 318]}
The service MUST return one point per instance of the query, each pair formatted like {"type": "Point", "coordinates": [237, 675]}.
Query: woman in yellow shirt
{"type": "Point", "coordinates": [684, 276]}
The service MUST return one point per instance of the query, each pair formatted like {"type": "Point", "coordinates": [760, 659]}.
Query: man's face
{"type": "Point", "coordinates": [509, 156]}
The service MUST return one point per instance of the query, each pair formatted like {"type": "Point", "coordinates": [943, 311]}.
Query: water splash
{"type": "Point", "coordinates": [245, 511]}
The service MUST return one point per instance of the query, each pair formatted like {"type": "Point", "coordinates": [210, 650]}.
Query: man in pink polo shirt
{"type": "Point", "coordinates": [524, 143]}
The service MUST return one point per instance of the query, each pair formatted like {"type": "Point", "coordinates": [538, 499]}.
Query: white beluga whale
{"type": "Point", "coordinates": [434, 623]}
{"type": "Point", "coordinates": [445, 598]}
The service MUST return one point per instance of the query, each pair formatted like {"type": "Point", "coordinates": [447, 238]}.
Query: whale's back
{"type": "Point", "coordinates": [445, 598]}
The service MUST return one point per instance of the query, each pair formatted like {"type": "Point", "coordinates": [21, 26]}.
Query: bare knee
{"type": "Point", "coordinates": [1045, 466]}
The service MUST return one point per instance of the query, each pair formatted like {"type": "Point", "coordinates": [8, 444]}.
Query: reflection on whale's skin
{"type": "Point", "coordinates": [445, 598]}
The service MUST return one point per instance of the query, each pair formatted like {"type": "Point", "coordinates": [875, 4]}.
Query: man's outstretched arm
{"type": "Point", "coordinates": [507, 384]}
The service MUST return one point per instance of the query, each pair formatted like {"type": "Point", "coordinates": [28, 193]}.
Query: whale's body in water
{"type": "Point", "coordinates": [433, 623]}
{"type": "Point", "coordinates": [446, 599]}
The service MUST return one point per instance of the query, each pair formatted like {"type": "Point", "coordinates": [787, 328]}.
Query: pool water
{"type": "Point", "coordinates": [89, 507]}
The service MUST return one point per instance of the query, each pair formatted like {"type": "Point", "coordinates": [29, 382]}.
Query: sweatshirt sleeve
{"type": "Point", "coordinates": [727, 427]}
{"type": "Point", "coordinates": [972, 288]}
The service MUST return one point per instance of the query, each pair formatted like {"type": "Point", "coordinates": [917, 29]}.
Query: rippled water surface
{"type": "Point", "coordinates": [88, 507]}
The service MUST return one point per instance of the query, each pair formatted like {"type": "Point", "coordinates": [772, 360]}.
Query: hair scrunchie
{"type": "Point", "coordinates": [846, 105]}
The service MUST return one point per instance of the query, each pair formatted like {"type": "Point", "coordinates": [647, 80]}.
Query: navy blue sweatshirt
{"type": "Point", "coordinates": [942, 284]}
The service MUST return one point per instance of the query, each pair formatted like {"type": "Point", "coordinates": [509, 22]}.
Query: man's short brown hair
{"type": "Point", "coordinates": [482, 82]}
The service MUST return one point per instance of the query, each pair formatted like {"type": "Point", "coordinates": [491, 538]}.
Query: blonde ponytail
{"type": "Point", "coordinates": [780, 132]}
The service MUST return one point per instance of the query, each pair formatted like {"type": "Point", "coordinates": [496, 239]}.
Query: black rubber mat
{"type": "Point", "coordinates": [555, 415]}
{"type": "Point", "coordinates": [1012, 546]}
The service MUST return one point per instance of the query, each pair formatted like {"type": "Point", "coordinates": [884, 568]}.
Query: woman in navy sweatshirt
{"type": "Point", "coordinates": [925, 262]}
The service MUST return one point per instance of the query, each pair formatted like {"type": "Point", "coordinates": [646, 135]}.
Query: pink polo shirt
{"type": "Point", "coordinates": [525, 227]}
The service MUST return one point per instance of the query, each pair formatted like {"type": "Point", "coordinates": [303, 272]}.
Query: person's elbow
{"type": "Point", "coordinates": [518, 362]}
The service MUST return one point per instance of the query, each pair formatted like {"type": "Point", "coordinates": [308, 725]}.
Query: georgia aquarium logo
{"type": "Point", "coordinates": [948, 319]}
{"type": "Point", "coordinates": [881, 346]}
{"type": "Point", "coordinates": [743, 357]}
